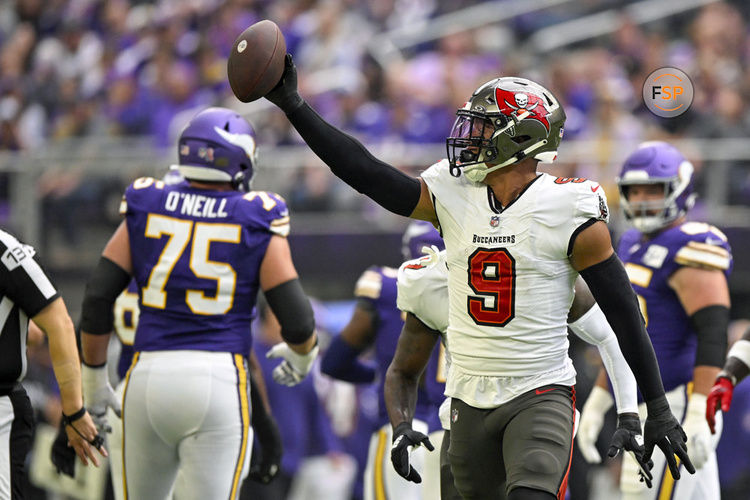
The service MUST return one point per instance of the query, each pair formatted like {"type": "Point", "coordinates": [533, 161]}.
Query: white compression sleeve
{"type": "Point", "coordinates": [594, 329]}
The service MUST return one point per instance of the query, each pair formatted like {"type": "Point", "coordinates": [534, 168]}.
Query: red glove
{"type": "Point", "coordinates": [721, 394]}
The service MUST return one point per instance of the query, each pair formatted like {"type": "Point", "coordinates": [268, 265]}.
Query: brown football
{"type": "Point", "coordinates": [256, 62]}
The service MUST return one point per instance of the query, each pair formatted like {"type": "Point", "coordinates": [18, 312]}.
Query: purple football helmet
{"type": "Point", "coordinates": [218, 145]}
{"type": "Point", "coordinates": [418, 234]}
{"type": "Point", "coordinates": [657, 162]}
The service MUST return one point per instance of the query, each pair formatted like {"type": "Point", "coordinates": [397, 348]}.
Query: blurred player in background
{"type": "Point", "coordinates": [376, 322]}
{"type": "Point", "coordinates": [515, 242]}
{"type": "Point", "coordinates": [27, 292]}
{"type": "Point", "coordinates": [198, 251]}
{"type": "Point", "coordinates": [312, 450]}
{"type": "Point", "coordinates": [679, 270]}
{"type": "Point", "coordinates": [423, 295]}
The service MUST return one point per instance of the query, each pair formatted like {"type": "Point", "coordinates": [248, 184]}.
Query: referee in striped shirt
{"type": "Point", "coordinates": [26, 292]}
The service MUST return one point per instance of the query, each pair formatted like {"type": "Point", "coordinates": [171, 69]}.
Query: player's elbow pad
{"type": "Point", "coordinates": [106, 282]}
{"type": "Point", "coordinates": [293, 310]}
{"type": "Point", "coordinates": [711, 324]}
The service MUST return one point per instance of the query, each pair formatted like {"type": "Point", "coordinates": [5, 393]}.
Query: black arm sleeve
{"type": "Point", "coordinates": [293, 310]}
{"type": "Point", "coordinates": [610, 286]}
{"type": "Point", "coordinates": [350, 161]}
{"type": "Point", "coordinates": [711, 324]}
{"type": "Point", "coordinates": [106, 282]}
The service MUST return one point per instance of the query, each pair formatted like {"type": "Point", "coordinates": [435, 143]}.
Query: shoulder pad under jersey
{"type": "Point", "coordinates": [269, 210]}
{"type": "Point", "coordinates": [138, 194]}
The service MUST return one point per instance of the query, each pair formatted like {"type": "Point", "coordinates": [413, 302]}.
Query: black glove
{"type": "Point", "coordinates": [62, 455]}
{"type": "Point", "coordinates": [405, 437]}
{"type": "Point", "coordinates": [627, 437]}
{"type": "Point", "coordinates": [663, 430]}
{"type": "Point", "coordinates": [285, 94]}
{"type": "Point", "coordinates": [264, 466]}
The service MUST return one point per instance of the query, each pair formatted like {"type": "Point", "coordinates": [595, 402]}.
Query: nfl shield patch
{"type": "Point", "coordinates": [495, 221]}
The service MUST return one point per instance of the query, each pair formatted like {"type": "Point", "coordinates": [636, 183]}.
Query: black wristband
{"type": "Point", "coordinates": [400, 429]}
{"type": "Point", "coordinates": [710, 325]}
{"type": "Point", "coordinates": [69, 419]}
{"type": "Point", "coordinates": [658, 406]}
{"type": "Point", "coordinates": [630, 421]}
{"type": "Point", "coordinates": [292, 308]}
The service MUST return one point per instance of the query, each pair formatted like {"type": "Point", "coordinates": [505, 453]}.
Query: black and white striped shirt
{"type": "Point", "coordinates": [25, 290]}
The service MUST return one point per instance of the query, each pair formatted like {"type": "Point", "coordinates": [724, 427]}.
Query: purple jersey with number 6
{"type": "Point", "coordinates": [650, 263]}
{"type": "Point", "coordinates": [196, 259]}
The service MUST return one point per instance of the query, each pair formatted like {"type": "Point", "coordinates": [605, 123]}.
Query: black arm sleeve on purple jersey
{"type": "Point", "coordinates": [610, 286]}
{"type": "Point", "coordinates": [292, 308]}
{"type": "Point", "coordinates": [104, 285]}
{"type": "Point", "coordinates": [350, 161]}
{"type": "Point", "coordinates": [711, 324]}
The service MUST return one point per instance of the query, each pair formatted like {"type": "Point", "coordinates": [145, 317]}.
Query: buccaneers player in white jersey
{"type": "Point", "coordinates": [516, 240]}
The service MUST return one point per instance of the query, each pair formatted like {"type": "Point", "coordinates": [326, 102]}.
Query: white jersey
{"type": "Point", "coordinates": [422, 290]}
{"type": "Point", "coordinates": [510, 281]}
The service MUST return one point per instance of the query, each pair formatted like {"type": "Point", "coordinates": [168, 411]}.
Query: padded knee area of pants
{"type": "Point", "coordinates": [540, 461]}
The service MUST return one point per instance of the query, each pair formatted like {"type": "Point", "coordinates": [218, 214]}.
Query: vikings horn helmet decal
{"type": "Point", "coordinates": [218, 145]}
{"type": "Point", "coordinates": [506, 120]}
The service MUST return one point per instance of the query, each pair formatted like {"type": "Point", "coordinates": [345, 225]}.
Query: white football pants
{"type": "Point", "coordinates": [381, 481]}
{"type": "Point", "coordinates": [703, 485]}
{"type": "Point", "coordinates": [186, 412]}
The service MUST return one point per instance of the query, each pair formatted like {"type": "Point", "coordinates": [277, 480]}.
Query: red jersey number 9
{"type": "Point", "coordinates": [492, 276]}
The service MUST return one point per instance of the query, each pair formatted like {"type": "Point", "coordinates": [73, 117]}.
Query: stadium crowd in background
{"type": "Point", "coordinates": [134, 68]}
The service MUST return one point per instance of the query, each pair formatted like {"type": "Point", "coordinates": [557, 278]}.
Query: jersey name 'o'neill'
{"type": "Point", "coordinates": [195, 205]}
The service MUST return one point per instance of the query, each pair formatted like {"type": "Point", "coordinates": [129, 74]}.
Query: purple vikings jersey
{"type": "Point", "coordinates": [196, 260]}
{"type": "Point", "coordinates": [650, 264]}
{"type": "Point", "coordinates": [377, 287]}
{"type": "Point", "coordinates": [126, 319]}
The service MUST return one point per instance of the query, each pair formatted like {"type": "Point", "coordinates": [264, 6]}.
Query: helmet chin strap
{"type": "Point", "coordinates": [477, 175]}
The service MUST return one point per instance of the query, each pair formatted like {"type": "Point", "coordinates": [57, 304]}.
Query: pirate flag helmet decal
{"type": "Point", "coordinates": [506, 120]}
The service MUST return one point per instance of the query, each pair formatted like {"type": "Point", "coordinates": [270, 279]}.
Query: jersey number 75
{"type": "Point", "coordinates": [179, 233]}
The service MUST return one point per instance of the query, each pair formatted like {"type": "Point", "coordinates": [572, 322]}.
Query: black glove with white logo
{"type": "Point", "coordinates": [663, 430]}
{"type": "Point", "coordinates": [627, 437]}
{"type": "Point", "coordinates": [404, 440]}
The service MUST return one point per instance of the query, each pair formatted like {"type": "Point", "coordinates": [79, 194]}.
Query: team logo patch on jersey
{"type": "Point", "coordinates": [655, 256]}
{"type": "Point", "coordinates": [454, 415]}
{"type": "Point", "coordinates": [494, 221]}
{"type": "Point", "coordinates": [603, 210]}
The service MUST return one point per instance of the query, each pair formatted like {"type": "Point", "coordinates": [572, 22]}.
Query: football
{"type": "Point", "coordinates": [256, 62]}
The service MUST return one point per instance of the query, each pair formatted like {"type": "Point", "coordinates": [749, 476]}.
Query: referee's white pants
{"type": "Point", "coordinates": [381, 481]}
{"type": "Point", "coordinates": [187, 412]}
{"type": "Point", "coordinates": [703, 485]}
